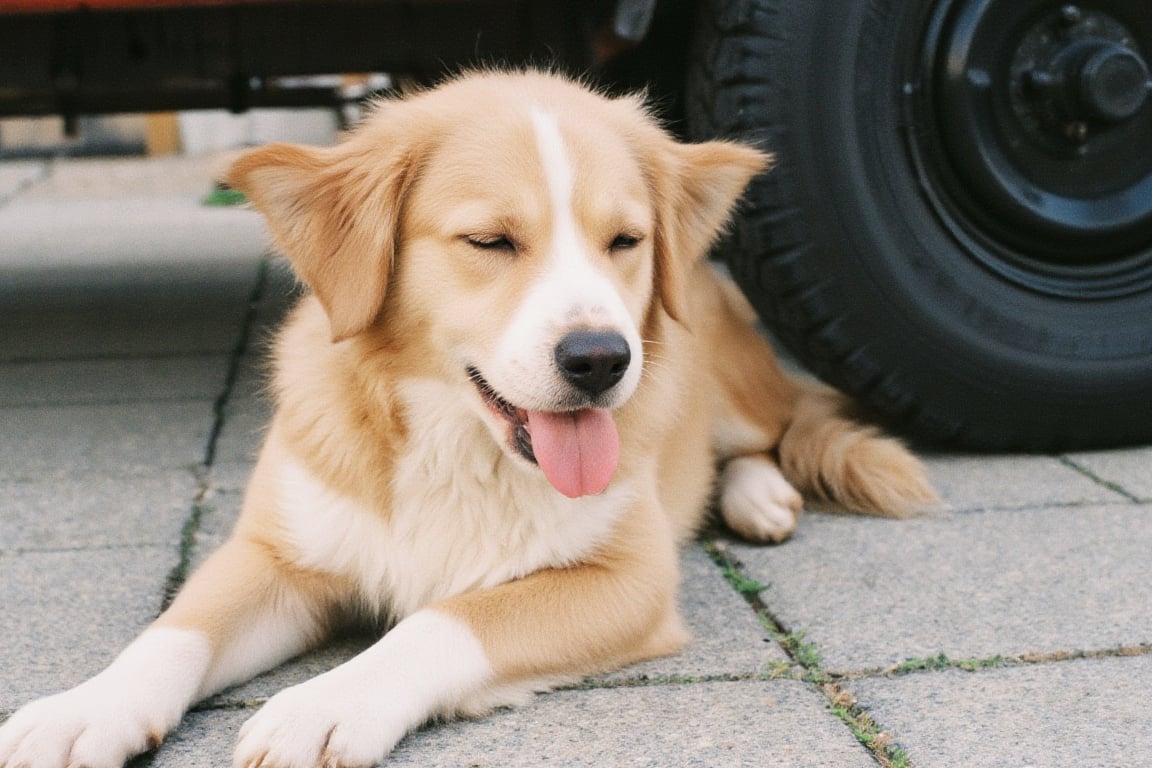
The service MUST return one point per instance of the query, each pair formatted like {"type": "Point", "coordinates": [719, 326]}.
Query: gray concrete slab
{"type": "Point", "coordinates": [1079, 714]}
{"type": "Point", "coordinates": [870, 593]}
{"type": "Point", "coordinates": [124, 311]}
{"type": "Point", "coordinates": [776, 724]}
{"type": "Point", "coordinates": [16, 176]}
{"type": "Point", "coordinates": [130, 230]}
{"type": "Point", "coordinates": [68, 382]}
{"type": "Point", "coordinates": [91, 510]}
{"type": "Point", "coordinates": [757, 724]}
{"type": "Point", "coordinates": [117, 177]}
{"type": "Point", "coordinates": [727, 637]}
{"type": "Point", "coordinates": [41, 444]}
{"type": "Point", "coordinates": [1129, 470]}
{"type": "Point", "coordinates": [280, 292]}
{"type": "Point", "coordinates": [242, 431]}
{"type": "Point", "coordinates": [1012, 482]}
{"type": "Point", "coordinates": [203, 740]}
{"type": "Point", "coordinates": [231, 476]}
{"type": "Point", "coordinates": [67, 614]}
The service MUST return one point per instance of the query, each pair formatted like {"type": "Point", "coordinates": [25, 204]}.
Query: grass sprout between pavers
{"type": "Point", "coordinates": [179, 572]}
{"type": "Point", "coordinates": [841, 703]}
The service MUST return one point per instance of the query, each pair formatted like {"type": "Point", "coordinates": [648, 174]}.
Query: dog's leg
{"type": "Point", "coordinates": [468, 653]}
{"type": "Point", "coordinates": [778, 434]}
{"type": "Point", "coordinates": [233, 619]}
{"type": "Point", "coordinates": [752, 405]}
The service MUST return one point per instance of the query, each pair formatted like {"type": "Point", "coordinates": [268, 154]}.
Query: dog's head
{"type": "Point", "coordinates": [517, 231]}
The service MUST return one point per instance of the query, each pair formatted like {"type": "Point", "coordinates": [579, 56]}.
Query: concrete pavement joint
{"type": "Point", "coordinates": [110, 357]}
{"type": "Point", "coordinates": [941, 662]}
{"type": "Point", "coordinates": [238, 353]}
{"type": "Point", "coordinates": [1114, 487]}
{"type": "Point", "coordinates": [1047, 505]}
{"type": "Point", "coordinates": [44, 172]}
{"type": "Point", "coordinates": [841, 703]}
{"type": "Point", "coordinates": [179, 572]}
{"type": "Point", "coordinates": [86, 548]}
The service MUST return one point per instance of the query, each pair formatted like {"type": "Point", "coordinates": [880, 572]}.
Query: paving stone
{"type": "Point", "coordinates": [126, 231]}
{"type": "Point", "coordinates": [64, 382]}
{"type": "Point", "coordinates": [242, 432]}
{"type": "Point", "coordinates": [90, 510]}
{"type": "Point", "coordinates": [40, 444]}
{"type": "Point", "coordinates": [115, 177]}
{"type": "Point", "coordinates": [16, 176]}
{"type": "Point", "coordinates": [1079, 714]}
{"type": "Point", "coordinates": [203, 740]}
{"type": "Point", "coordinates": [775, 724]}
{"type": "Point", "coordinates": [67, 614]}
{"type": "Point", "coordinates": [1012, 482]}
{"type": "Point", "coordinates": [175, 309]}
{"type": "Point", "coordinates": [762, 724]}
{"type": "Point", "coordinates": [232, 476]}
{"type": "Point", "coordinates": [871, 592]}
{"type": "Point", "coordinates": [1129, 470]}
{"type": "Point", "coordinates": [727, 637]}
{"type": "Point", "coordinates": [254, 370]}
{"type": "Point", "coordinates": [281, 292]}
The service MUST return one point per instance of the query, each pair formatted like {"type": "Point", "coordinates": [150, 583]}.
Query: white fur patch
{"type": "Point", "coordinates": [463, 515]}
{"type": "Point", "coordinates": [571, 292]}
{"type": "Point", "coordinates": [355, 714]}
{"type": "Point", "coordinates": [118, 713]}
{"type": "Point", "coordinates": [283, 630]}
{"type": "Point", "coordinates": [757, 501]}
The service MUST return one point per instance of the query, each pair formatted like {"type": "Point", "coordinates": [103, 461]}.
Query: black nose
{"type": "Point", "coordinates": [593, 361]}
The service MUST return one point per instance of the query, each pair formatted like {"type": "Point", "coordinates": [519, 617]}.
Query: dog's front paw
{"type": "Point", "coordinates": [85, 726]}
{"type": "Point", "coordinates": [757, 502]}
{"type": "Point", "coordinates": [318, 724]}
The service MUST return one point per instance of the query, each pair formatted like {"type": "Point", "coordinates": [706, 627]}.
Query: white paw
{"type": "Point", "coordinates": [756, 501]}
{"type": "Point", "coordinates": [123, 711]}
{"type": "Point", "coordinates": [319, 723]}
{"type": "Point", "coordinates": [85, 726]}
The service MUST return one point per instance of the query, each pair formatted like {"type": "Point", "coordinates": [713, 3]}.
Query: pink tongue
{"type": "Point", "coordinates": [578, 451]}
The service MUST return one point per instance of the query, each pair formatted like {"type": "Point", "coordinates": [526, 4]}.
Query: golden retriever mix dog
{"type": "Point", "coordinates": [511, 392]}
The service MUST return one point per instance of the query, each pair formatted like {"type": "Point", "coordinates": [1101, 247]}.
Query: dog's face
{"type": "Point", "coordinates": [521, 232]}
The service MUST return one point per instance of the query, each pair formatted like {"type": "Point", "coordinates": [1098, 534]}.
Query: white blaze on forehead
{"type": "Point", "coordinates": [570, 291]}
{"type": "Point", "coordinates": [560, 180]}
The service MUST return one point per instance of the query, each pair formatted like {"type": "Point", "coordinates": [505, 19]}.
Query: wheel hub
{"type": "Point", "coordinates": [1079, 73]}
{"type": "Point", "coordinates": [1045, 119]}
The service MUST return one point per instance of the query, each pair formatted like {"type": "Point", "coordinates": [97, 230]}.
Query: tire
{"type": "Point", "coordinates": [879, 249]}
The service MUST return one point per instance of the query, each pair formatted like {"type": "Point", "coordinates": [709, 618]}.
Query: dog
{"type": "Point", "coordinates": [510, 392]}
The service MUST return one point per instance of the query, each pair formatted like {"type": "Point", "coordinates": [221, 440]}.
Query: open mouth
{"type": "Point", "coordinates": [517, 418]}
{"type": "Point", "coordinates": [577, 450]}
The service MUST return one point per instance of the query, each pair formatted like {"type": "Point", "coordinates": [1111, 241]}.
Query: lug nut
{"type": "Point", "coordinates": [1071, 15]}
{"type": "Point", "coordinates": [1077, 131]}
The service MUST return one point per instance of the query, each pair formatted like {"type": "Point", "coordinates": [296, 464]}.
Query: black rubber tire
{"type": "Point", "coordinates": [841, 252]}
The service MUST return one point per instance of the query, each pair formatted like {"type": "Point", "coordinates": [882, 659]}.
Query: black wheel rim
{"type": "Point", "coordinates": [1033, 137]}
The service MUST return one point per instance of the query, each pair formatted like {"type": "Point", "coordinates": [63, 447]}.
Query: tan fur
{"type": "Point", "coordinates": [371, 367]}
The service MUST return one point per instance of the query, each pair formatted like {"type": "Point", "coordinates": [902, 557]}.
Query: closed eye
{"type": "Point", "coordinates": [490, 242]}
{"type": "Point", "coordinates": [624, 242]}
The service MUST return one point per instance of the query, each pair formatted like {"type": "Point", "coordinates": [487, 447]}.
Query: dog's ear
{"type": "Point", "coordinates": [696, 188]}
{"type": "Point", "coordinates": [335, 213]}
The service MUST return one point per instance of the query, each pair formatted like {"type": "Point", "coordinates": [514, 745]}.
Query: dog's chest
{"type": "Point", "coordinates": [461, 517]}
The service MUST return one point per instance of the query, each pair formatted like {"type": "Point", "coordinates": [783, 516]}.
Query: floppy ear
{"type": "Point", "coordinates": [334, 212]}
{"type": "Point", "coordinates": [696, 190]}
